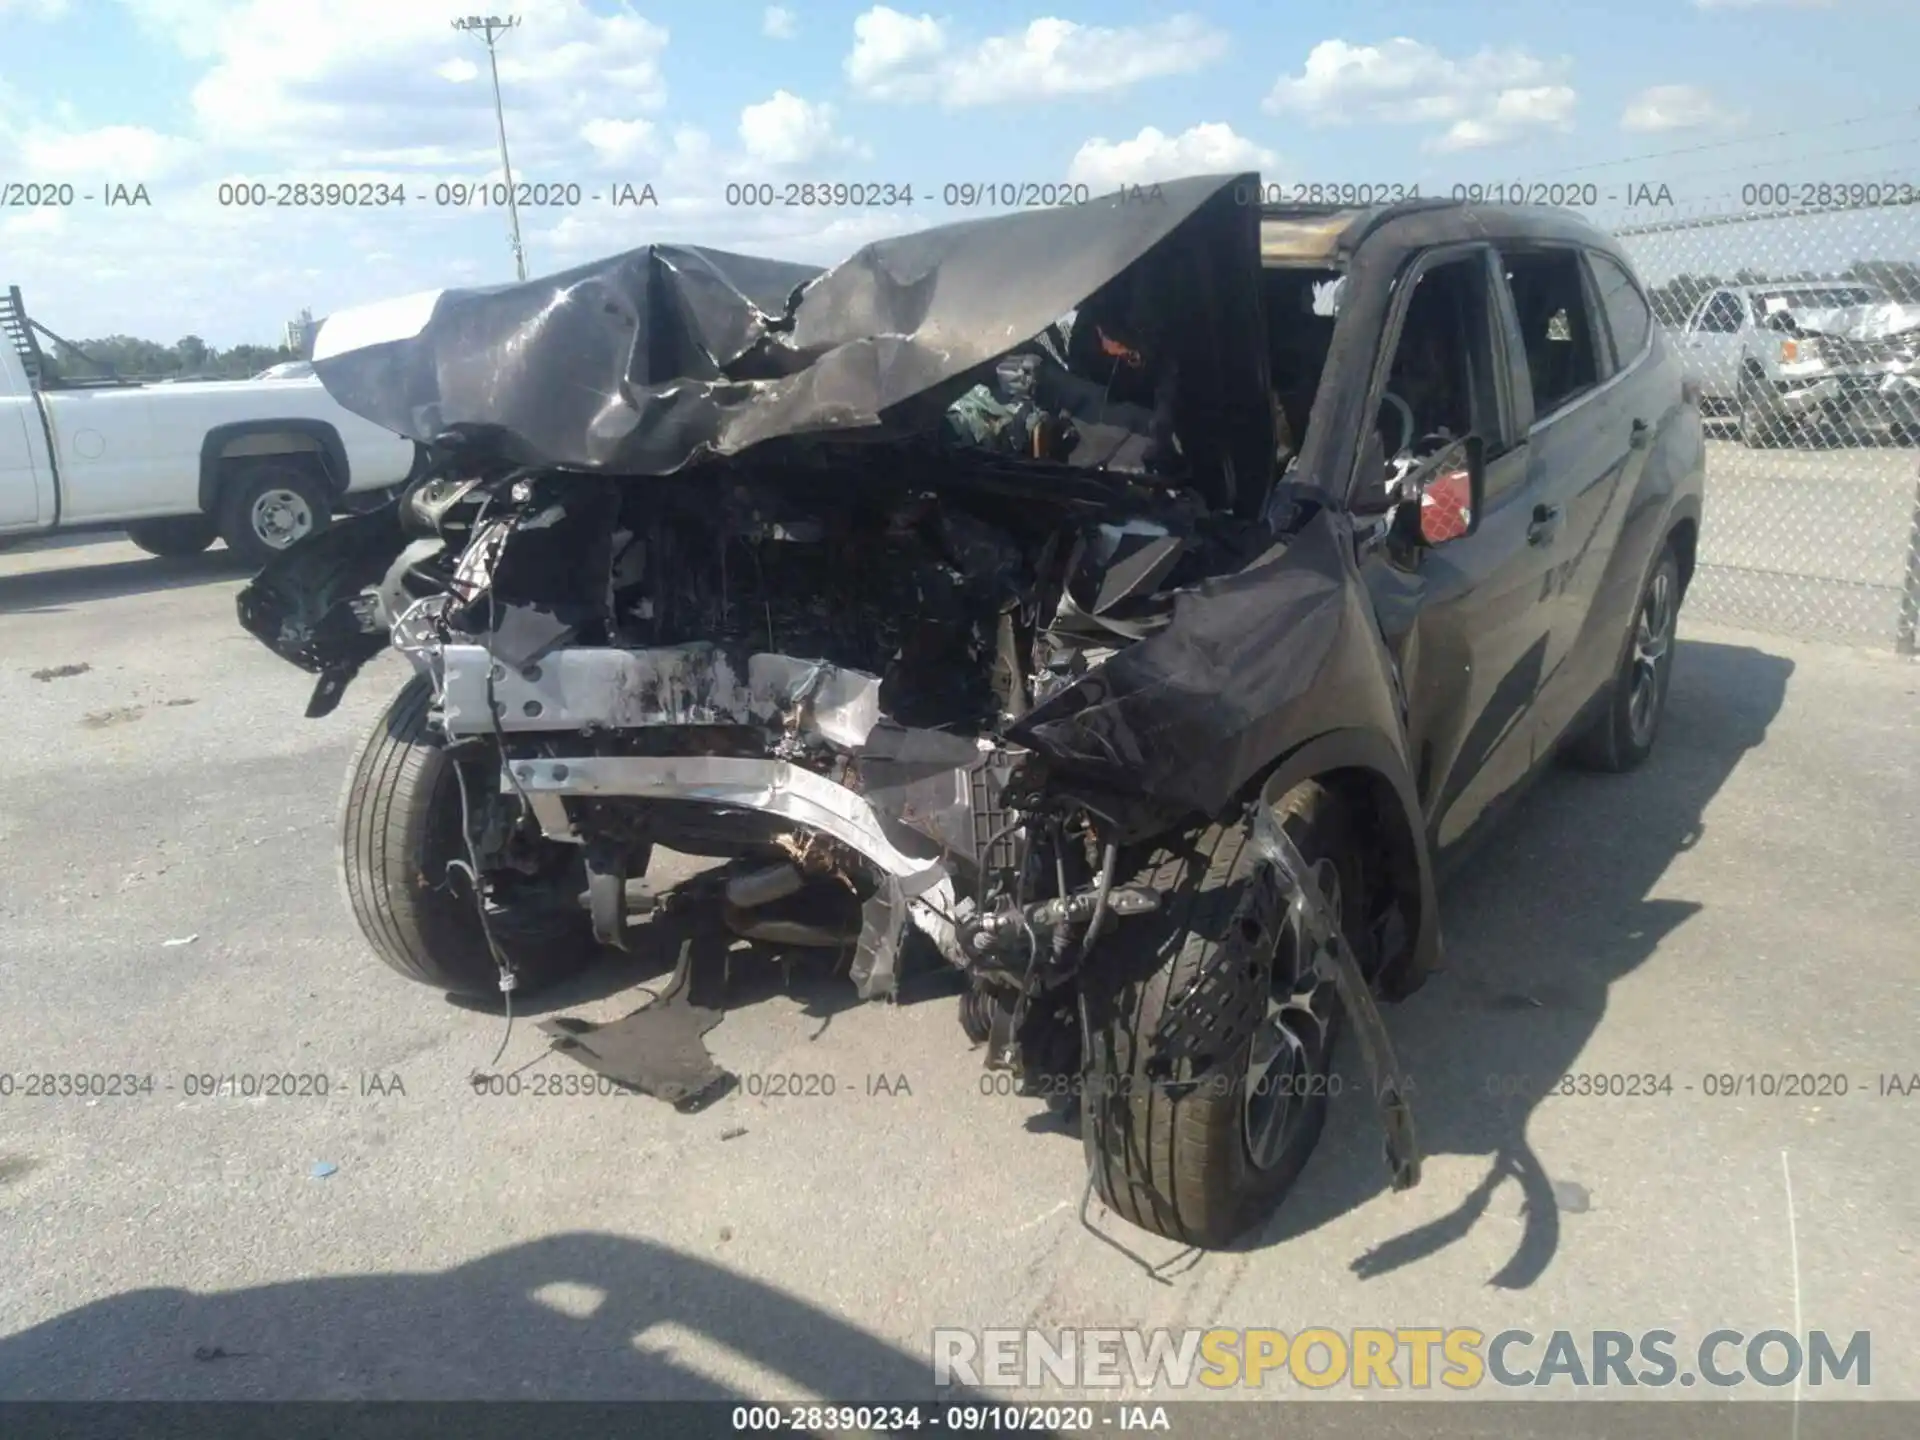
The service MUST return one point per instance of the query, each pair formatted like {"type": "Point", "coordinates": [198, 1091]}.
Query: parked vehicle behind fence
{"type": "Point", "coordinates": [1787, 357]}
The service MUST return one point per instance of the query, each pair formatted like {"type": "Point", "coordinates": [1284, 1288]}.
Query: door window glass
{"type": "Point", "coordinates": [1550, 301]}
{"type": "Point", "coordinates": [1440, 384]}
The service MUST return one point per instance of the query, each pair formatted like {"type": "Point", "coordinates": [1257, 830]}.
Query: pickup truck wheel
{"type": "Point", "coordinates": [1622, 735]}
{"type": "Point", "coordinates": [1761, 421]}
{"type": "Point", "coordinates": [400, 841]}
{"type": "Point", "coordinates": [268, 506]}
{"type": "Point", "coordinates": [1204, 1160]}
{"type": "Point", "coordinates": [175, 536]}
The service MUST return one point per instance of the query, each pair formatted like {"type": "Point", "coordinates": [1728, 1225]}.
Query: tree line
{"type": "Point", "coordinates": [1674, 301]}
{"type": "Point", "coordinates": [189, 357]}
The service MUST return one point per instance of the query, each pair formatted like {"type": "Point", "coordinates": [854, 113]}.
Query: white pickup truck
{"type": "Point", "coordinates": [1792, 353]}
{"type": "Point", "coordinates": [256, 463]}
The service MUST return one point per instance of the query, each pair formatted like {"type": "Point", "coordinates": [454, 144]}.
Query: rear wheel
{"type": "Point", "coordinates": [1207, 1151]}
{"type": "Point", "coordinates": [269, 505]}
{"type": "Point", "coordinates": [404, 857]}
{"type": "Point", "coordinates": [1622, 735]}
{"type": "Point", "coordinates": [174, 536]}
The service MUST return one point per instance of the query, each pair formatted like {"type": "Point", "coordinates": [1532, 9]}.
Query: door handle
{"type": "Point", "coordinates": [1641, 433]}
{"type": "Point", "coordinates": [1546, 524]}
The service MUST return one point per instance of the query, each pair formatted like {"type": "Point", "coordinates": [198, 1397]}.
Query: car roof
{"type": "Point", "coordinates": [1331, 234]}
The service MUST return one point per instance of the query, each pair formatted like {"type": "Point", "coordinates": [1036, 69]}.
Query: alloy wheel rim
{"type": "Point", "coordinates": [1289, 1042]}
{"type": "Point", "coordinates": [280, 517]}
{"type": "Point", "coordinates": [1652, 644]}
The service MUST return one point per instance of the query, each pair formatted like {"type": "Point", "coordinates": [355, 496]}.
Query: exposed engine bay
{"type": "Point", "coordinates": [815, 671]}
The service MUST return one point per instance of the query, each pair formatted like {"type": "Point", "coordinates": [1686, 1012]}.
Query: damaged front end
{"type": "Point", "coordinates": [927, 593]}
{"type": "Point", "coordinates": [824, 672]}
{"type": "Point", "coordinates": [1855, 368]}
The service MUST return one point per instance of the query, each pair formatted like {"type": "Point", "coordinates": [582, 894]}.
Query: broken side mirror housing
{"type": "Point", "coordinates": [1450, 486]}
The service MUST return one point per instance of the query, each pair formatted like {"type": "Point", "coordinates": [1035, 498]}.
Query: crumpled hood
{"type": "Point", "coordinates": [1859, 322]}
{"type": "Point", "coordinates": [644, 362]}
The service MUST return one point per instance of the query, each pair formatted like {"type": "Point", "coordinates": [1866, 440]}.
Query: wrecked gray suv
{"type": "Point", "coordinates": [1126, 605]}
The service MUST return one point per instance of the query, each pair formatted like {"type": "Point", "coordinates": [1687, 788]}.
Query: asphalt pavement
{"type": "Point", "coordinates": [170, 909]}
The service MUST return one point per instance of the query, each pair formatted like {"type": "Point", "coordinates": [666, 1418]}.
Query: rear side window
{"type": "Point", "coordinates": [1628, 316]}
{"type": "Point", "coordinates": [1550, 301]}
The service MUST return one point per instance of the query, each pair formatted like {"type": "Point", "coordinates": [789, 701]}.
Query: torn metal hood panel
{"type": "Point", "coordinates": [1860, 322]}
{"type": "Point", "coordinates": [644, 362]}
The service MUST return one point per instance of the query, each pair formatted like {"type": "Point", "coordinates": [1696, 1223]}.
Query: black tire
{"type": "Point", "coordinates": [1622, 735]}
{"type": "Point", "coordinates": [174, 536]}
{"type": "Point", "coordinates": [400, 828]}
{"type": "Point", "coordinates": [248, 525]}
{"type": "Point", "coordinates": [1177, 1160]}
{"type": "Point", "coordinates": [1762, 424]}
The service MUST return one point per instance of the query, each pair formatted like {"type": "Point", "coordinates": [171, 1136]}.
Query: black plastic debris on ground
{"type": "Point", "coordinates": [658, 1049]}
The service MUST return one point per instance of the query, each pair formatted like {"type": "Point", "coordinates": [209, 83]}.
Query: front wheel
{"type": "Point", "coordinates": [175, 536]}
{"type": "Point", "coordinates": [1205, 1149]}
{"type": "Point", "coordinates": [1762, 422]}
{"type": "Point", "coordinates": [405, 867]}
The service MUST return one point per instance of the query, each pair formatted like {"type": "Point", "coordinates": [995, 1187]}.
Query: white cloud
{"type": "Point", "coordinates": [779, 23]}
{"type": "Point", "coordinates": [893, 53]}
{"type": "Point", "coordinates": [371, 78]}
{"type": "Point", "coordinates": [1514, 113]}
{"type": "Point", "coordinates": [1151, 155]}
{"type": "Point", "coordinates": [131, 153]}
{"type": "Point", "coordinates": [787, 130]}
{"type": "Point", "coordinates": [917, 58]}
{"type": "Point", "coordinates": [620, 143]}
{"type": "Point", "coordinates": [1487, 98]}
{"type": "Point", "coordinates": [34, 9]}
{"type": "Point", "coordinates": [1673, 107]}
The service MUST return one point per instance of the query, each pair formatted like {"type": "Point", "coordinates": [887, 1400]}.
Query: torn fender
{"type": "Point", "coordinates": [1194, 712]}
{"type": "Point", "coordinates": [1278, 670]}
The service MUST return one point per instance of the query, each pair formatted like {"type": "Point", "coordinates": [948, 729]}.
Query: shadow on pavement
{"type": "Point", "coordinates": [53, 589]}
{"type": "Point", "coordinates": [1555, 907]}
{"type": "Point", "coordinates": [565, 1317]}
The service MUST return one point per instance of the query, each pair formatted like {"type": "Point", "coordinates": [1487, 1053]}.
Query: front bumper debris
{"type": "Point", "coordinates": [911, 888]}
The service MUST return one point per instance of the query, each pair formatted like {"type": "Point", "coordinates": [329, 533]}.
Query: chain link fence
{"type": "Point", "coordinates": [1799, 319]}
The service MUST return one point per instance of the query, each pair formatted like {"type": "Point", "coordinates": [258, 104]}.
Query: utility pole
{"type": "Point", "coordinates": [488, 28]}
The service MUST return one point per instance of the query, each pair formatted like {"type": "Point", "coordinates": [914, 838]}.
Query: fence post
{"type": "Point", "coordinates": [1904, 637]}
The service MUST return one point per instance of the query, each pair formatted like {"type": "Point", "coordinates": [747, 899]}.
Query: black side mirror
{"type": "Point", "coordinates": [1444, 492]}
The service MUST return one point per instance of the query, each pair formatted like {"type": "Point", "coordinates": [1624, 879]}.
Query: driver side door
{"type": "Point", "coordinates": [1467, 618]}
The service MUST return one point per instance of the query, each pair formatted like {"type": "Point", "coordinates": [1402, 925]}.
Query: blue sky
{"type": "Point", "coordinates": [180, 95]}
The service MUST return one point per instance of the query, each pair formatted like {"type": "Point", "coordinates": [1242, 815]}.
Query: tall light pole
{"type": "Point", "coordinates": [488, 28]}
